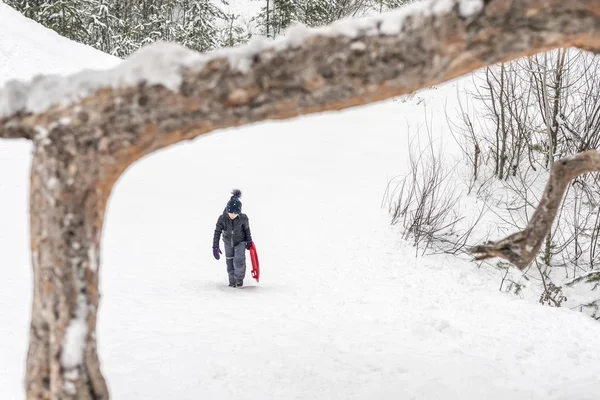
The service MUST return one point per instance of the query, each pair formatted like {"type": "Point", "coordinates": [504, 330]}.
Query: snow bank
{"type": "Point", "coordinates": [28, 49]}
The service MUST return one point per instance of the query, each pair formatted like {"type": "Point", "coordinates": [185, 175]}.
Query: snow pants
{"type": "Point", "coordinates": [236, 262]}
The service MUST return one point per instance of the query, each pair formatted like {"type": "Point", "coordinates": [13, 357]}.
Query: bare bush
{"type": "Point", "coordinates": [523, 116]}
{"type": "Point", "coordinates": [533, 110]}
{"type": "Point", "coordinates": [592, 281]}
{"type": "Point", "coordinates": [425, 201]}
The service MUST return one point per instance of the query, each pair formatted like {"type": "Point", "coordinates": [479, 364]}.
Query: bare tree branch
{"type": "Point", "coordinates": [521, 248]}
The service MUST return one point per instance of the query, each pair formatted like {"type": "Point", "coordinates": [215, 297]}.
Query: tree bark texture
{"type": "Point", "coordinates": [81, 149]}
{"type": "Point", "coordinates": [67, 200]}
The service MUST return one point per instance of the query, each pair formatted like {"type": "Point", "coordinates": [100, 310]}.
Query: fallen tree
{"type": "Point", "coordinates": [88, 128]}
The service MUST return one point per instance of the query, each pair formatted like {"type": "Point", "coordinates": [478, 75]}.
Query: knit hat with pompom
{"type": "Point", "coordinates": [234, 205]}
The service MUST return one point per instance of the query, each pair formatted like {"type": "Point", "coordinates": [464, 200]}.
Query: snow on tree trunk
{"type": "Point", "coordinates": [87, 129]}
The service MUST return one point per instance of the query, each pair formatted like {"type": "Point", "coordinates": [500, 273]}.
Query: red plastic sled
{"type": "Point", "coordinates": [255, 265]}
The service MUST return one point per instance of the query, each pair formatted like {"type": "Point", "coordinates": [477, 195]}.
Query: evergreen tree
{"type": "Point", "coordinates": [232, 35]}
{"type": "Point", "coordinates": [386, 5]}
{"type": "Point", "coordinates": [120, 27]}
{"type": "Point", "coordinates": [103, 26]}
{"type": "Point", "coordinates": [196, 24]}
{"type": "Point", "coordinates": [319, 12]}
{"type": "Point", "coordinates": [277, 15]}
{"type": "Point", "coordinates": [63, 16]}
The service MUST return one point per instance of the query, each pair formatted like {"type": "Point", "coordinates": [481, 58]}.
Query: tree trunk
{"type": "Point", "coordinates": [268, 19]}
{"type": "Point", "coordinates": [522, 247]}
{"type": "Point", "coordinates": [547, 113]}
{"type": "Point", "coordinates": [67, 206]}
{"type": "Point", "coordinates": [476, 160]}
{"type": "Point", "coordinates": [559, 76]}
{"type": "Point", "coordinates": [502, 104]}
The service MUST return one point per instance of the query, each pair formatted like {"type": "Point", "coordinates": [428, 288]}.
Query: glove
{"type": "Point", "coordinates": [216, 252]}
{"type": "Point", "coordinates": [248, 244]}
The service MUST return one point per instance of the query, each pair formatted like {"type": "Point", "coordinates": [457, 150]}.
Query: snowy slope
{"type": "Point", "coordinates": [28, 49]}
{"type": "Point", "coordinates": [343, 311]}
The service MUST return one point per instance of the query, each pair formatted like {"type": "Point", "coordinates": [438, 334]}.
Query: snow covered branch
{"type": "Point", "coordinates": [11, 130]}
{"type": "Point", "coordinates": [165, 94]}
{"type": "Point", "coordinates": [521, 248]}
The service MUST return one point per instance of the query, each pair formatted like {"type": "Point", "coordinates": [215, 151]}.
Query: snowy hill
{"type": "Point", "coordinates": [27, 49]}
{"type": "Point", "coordinates": [344, 310]}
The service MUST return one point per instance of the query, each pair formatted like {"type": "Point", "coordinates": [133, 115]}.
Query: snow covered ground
{"type": "Point", "coordinates": [344, 310]}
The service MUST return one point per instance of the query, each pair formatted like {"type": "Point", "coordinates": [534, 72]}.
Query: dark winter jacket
{"type": "Point", "coordinates": [235, 231]}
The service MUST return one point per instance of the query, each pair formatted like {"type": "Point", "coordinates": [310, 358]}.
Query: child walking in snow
{"type": "Point", "coordinates": [236, 237]}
